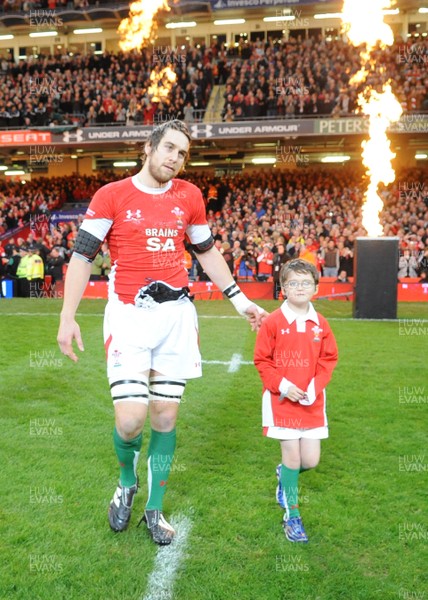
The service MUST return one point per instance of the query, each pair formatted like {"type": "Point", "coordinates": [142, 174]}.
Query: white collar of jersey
{"type": "Point", "coordinates": [291, 316]}
{"type": "Point", "coordinates": [149, 190]}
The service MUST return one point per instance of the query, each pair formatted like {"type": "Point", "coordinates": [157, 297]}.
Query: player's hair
{"type": "Point", "coordinates": [298, 265]}
{"type": "Point", "coordinates": [158, 133]}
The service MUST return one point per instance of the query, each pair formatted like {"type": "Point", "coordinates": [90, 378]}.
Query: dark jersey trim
{"type": "Point", "coordinates": [203, 246]}
{"type": "Point", "coordinates": [87, 245]}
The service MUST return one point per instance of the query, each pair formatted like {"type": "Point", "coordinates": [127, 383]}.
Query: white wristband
{"type": "Point", "coordinates": [241, 303]}
{"type": "Point", "coordinates": [238, 298]}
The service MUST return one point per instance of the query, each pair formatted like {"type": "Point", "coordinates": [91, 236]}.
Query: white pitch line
{"type": "Point", "coordinates": [226, 363]}
{"type": "Point", "coordinates": [167, 562]}
{"type": "Point", "coordinates": [348, 319]}
{"type": "Point", "coordinates": [42, 314]}
{"type": "Point", "coordinates": [235, 363]}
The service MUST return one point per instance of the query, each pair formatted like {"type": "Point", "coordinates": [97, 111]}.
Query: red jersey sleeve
{"type": "Point", "coordinates": [101, 205]}
{"type": "Point", "coordinates": [326, 363]}
{"type": "Point", "coordinates": [264, 359]}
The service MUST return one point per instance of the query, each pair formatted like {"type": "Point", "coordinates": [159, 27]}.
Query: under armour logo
{"type": "Point", "coordinates": [75, 136]}
{"type": "Point", "coordinates": [285, 331]}
{"type": "Point", "coordinates": [131, 216]}
{"type": "Point", "coordinates": [201, 131]}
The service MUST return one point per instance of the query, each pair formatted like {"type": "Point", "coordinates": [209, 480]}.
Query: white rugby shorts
{"type": "Point", "coordinates": [164, 338]}
{"type": "Point", "coordinates": [286, 433]}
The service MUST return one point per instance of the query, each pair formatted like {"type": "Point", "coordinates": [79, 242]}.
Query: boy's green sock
{"type": "Point", "coordinates": [127, 452]}
{"type": "Point", "coordinates": [160, 456]}
{"type": "Point", "coordinates": [289, 483]}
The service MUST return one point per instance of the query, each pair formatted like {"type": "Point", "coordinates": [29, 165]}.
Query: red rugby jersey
{"type": "Point", "coordinates": [302, 350]}
{"type": "Point", "coordinates": [145, 230]}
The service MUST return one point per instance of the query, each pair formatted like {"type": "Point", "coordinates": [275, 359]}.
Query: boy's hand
{"type": "Point", "coordinates": [295, 394]}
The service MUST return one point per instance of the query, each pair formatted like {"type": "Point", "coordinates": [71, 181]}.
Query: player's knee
{"type": "Point", "coordinates": [129, 426]}
{"type": "Point", "coordinates": [163, 419]}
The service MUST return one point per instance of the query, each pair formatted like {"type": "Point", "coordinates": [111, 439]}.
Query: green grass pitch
{"type": "Point", "coordinates": [364, 507]}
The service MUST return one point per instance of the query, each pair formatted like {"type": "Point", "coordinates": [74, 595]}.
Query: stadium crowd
{"type": "Point", "coordinates": [259, 220]}
{"type": "Point", "coordinates": [97, 90]}
{"type": "Point", "coordinates": [279, 79]}
{"type": "Point", "coordinates": [27, 5]}
{"type": "Point", "coordinates": [312, 77]}
{"type": "Point", "coordinates": [19, 203]}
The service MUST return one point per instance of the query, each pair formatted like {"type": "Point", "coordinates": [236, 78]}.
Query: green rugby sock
{"type": "Point", "coordinates": [160, 456]}
{"type": "Point", "coordinates": [127, 452]}
{"type": "Point", "coordinates": [289, 482]}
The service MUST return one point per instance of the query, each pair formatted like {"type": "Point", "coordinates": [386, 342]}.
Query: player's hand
{"type": "Point", "coordinates": [68, 331]}
{"type": "Point", "coordinates": [256, 315]}
{"type": "Point", "coordinates": [295, 394]}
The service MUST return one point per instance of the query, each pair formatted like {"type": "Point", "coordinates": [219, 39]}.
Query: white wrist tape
{"type": "Point", "coordinates": [238, 298]}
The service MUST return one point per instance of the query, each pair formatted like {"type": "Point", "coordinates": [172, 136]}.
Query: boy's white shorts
{"type": "Point", "coordinates": [164, 339]}
{"type": "Point", "coordinates": [285, 433]}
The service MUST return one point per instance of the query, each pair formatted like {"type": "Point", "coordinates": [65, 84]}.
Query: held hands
{"type": "Point", "coordinates": [256, 315]}
{"type": "Point", "coordinates": [69, 330]}
{"type": "Point", "coordinates": [295, 394]}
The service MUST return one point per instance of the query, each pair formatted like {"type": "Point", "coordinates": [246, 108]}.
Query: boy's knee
{"type": "Point", "coordinates": [292, 461]}
{"type": "Point", "coordinates": [310, 463]}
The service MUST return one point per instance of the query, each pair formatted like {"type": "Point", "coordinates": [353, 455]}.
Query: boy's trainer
{"type": "Point", "coordinates": [294, 530]}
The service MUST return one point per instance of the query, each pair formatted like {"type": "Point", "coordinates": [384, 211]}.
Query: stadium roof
{"type": "Point", "coordinates": [114, 12]}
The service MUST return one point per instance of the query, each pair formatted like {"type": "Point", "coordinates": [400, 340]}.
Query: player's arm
{"type": "Point", "coordinates": [86, 249]}
{"type": "Point", "coordinates": [218, 271]}
{"type": "Point", "coordinates": [78, 273]}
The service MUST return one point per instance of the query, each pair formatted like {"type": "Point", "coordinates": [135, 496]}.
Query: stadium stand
{"type": "Point", "coordinates": [297, 77]}
{"type": "Point", "coordinates": [95, 90]}
{"type": "Point", "coordinates": [300, 77]}
{"type": "Point", "coordinates": [305, 210]}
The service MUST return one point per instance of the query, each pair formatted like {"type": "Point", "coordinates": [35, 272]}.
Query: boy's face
{"type": "Point", "coordinates": [299, 288]}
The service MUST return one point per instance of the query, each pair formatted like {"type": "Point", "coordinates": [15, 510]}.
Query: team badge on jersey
{"type": "Point", "coordinates": [178, 213]}
{"type": "Point", "coordinates": [317, 330]}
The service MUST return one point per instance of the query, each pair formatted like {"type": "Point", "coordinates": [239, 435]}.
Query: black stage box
{"type": "Point", "coordinates": [375, 278]}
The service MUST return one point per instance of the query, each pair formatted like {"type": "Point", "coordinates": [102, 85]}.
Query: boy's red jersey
{"type": "Point", "coordinates": [302, 350]}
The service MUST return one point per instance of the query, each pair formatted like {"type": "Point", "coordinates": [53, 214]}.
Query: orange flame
{"type": "Point", "coordinates": [140, 26]}
{"type": "Point", "coordinates": [382, 109]}
{"type": "Point", "coordinates": [166, 78]}
{"type": "Point", "coordinates": [362, 21]}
